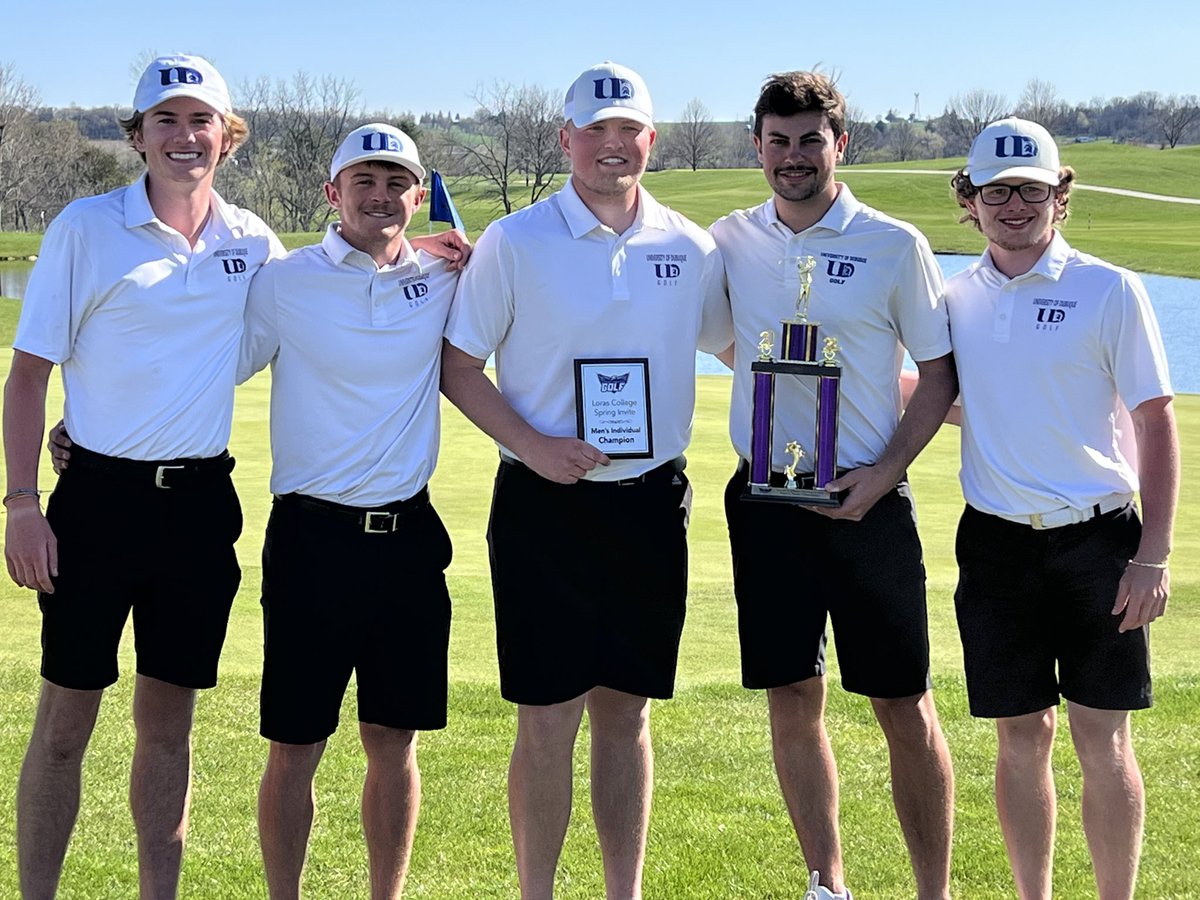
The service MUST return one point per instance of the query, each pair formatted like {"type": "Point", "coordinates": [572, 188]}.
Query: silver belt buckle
{"type": "Point", "coordinates": [373, 516]}
{"type": "Point", "coordinates": [158, 476]}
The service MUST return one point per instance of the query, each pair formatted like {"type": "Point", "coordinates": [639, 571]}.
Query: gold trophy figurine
{"type": "Point", "coordinates": [829, 352]}
{"type": "Point", "coordinates": [797, 451]}
{"type": "Point", "coordinates": [766, 344]}
{"type": "Point", "coordinates": [805, 266]}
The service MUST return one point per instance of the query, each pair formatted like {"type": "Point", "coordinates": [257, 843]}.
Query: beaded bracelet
{"type": "Point", "coordinates": [21, 492]}
{"type": "Point", "coordinates": [1148, 565]}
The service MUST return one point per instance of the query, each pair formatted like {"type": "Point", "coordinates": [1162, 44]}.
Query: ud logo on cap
{"type": "Point", "coordinates": [180, 75]}
{"type": "Point", "coordinates": [613, 88]}
{"type": "Point", "coordinates": [378, 141]}
{"type": "Point", "coordinates": [1016, 145]}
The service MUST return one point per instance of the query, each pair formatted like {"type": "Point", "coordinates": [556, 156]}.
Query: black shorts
{"type": "Point", "coordinates": [1031, 601]}
{"type": "Point", "coordinates": [165, 553]}
{"type": "Point", "coordinates": [339, 599]}
{"type": "Point", "coordinates": [793, 567]}
{"type": "Point", "coordinates": [590, 583]}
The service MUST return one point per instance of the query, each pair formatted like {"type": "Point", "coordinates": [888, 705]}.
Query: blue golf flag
{"type": "Point", "coordinates": [441, 207]}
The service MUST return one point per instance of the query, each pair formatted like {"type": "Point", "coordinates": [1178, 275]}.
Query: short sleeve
{"type": "Point", "coordinates": [483, 309]}
{"type": "Point", "coordinates": [918, 303]}
{"type": "Point", "coordinates": [54, 304]}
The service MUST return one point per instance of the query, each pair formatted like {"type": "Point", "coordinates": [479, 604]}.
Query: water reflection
{"type": "Point", "coordinates": [1176, 302]}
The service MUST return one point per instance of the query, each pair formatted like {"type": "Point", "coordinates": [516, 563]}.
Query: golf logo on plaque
{"type": "Point", "coordinates": [612, 406]}
{"type": "Point", "coordinates": [797, 359]}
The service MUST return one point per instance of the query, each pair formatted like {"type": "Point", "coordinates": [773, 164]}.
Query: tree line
{"type": "Point", "coordinates": [507, 149]}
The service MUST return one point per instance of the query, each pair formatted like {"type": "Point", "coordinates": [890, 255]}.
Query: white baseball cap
{"type": "Point", "coordinates": [377, 141]}
{"type": "Point", "coordinates": [179, 75]}
{"type": "Point", "coordinates": [1013, 148]}
{"type": "Point", "coordinates": [608, 91]}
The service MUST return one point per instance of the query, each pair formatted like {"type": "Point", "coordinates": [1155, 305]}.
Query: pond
{"type": "Point", "coordinates": [1176, 302]}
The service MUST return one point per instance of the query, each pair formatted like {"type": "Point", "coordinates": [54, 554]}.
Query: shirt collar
{"type": "Point", "coordinates": [1050, 264]}
{"type": "Point", "coordinates": [581, 220]}
{"type": "Point", "coordinates": [339, 250]}
{"type": "Point", "coordinates": [837, 218]}
{"type": "Point", "coordinates": [138, 212]}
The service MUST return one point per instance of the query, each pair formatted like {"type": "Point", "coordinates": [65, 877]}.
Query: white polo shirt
{"type": "Point", "coordinates": [551, 284]}
{"type": "Point", "coordinates": [1049, 363]}
{"type": "Point", "coordinates": [876, 288]}
{"type": "Point", "coordinates": [145, 327]}
{"type": "Point", "coordinates": [355, 353]}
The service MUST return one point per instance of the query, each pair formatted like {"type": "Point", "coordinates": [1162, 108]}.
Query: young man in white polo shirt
{"type": "Point", "coordinates": [354, 555]}
{"type": "Point", "coordinates": [588, 552]}
{"type": "Point", "coordinates": [876, 287]}
{"type": "Point", "coordinates": [139, 295]}
{"type": "Point", "coordinates": [1066, 412]}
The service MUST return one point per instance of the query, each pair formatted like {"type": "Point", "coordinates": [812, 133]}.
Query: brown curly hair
{"type": "Point", "coordinates": [963, 190]}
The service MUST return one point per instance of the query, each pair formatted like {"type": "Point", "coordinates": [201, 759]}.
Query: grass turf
{"type": "Point", "coordinates": [1144, 235]}
{"type": "Point", "coordinates": [719, 827]}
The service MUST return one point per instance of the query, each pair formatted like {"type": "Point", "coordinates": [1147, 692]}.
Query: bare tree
{"type": "Point", "coordinates": [902, 140]}
{"type": "Point", "coordinates": [17, 102]}
{"type": "Point", "coordinates": [540, 156]}
{"type": "Point", "coordinates": [515, 131]}
{"type": "Point", "coordinates": [1040, 103]}
{"type": "Point", "coordinates": [295, 128]}
{"type": "Point", "coordinates": [693, 140]}
{"type": "Point", "coordinates": [967, 114]}
{"type": "Point", "coordinates": [863, 138]}
{"type": "Point", "coordinates": [1176, 116]}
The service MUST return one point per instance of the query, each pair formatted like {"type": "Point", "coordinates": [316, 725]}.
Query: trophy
{"type": "Point", "coordinates": [797, 358]}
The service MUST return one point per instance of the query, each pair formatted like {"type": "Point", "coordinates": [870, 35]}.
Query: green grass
{"type": "Point", "coordinates": [19, 244]}
{"type": "Point", "coordinates": [1144, 235]}
{"type": "Point", "coordinates": [719, 828]}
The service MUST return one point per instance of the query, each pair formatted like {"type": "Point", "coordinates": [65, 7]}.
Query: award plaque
{"type": "Point", "coordinates": [612, 406]}
{"type": "Point", "coordinates": [798, 359]}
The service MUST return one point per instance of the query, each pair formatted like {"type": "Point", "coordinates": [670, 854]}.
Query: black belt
{"type": "Point", "coordinates": [369, 521]}
{"type": "Point", "coordinates": [165, 474]}
{"type": "Point", "coordinates": [665, 472]}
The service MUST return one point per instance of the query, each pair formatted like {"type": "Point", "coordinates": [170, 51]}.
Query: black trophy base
{"type": "Point", "coordinates": [797, 496]}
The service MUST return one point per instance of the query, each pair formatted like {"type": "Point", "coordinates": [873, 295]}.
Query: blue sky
{"type": "Point", "coordinates": [433, 56]}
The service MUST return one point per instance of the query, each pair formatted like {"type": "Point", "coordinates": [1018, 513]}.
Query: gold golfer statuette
{"type": "Point", "coordinates": [804, 266]}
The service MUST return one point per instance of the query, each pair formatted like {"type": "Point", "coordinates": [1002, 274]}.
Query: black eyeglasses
{"type": "Point", "coordinates": [999, 194]}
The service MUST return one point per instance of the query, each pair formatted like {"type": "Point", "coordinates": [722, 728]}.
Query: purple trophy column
{"type": "Point", "coordinates": [760, 428]}
{"type": "Point", "coordinates": [828, 392]}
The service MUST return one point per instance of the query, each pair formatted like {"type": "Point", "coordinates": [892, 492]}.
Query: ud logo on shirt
{"type": "Point", "coordinates": [839, 270]}
{"type": "Point", "coordinates": [1050, 319]}
{"type": "Point", "coordinates": [416, 294]}
{"type": "Point", "coordinates": [668, 267]}
{"type": "Point", "coordinates": [1051, 312]}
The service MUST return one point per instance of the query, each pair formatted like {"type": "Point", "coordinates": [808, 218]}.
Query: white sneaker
{"type": "Point", "coordinates": [817, 892]}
